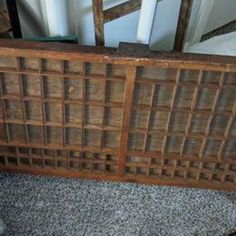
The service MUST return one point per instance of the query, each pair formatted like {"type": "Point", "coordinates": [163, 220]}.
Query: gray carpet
{"type": "Point", "coordinates": [55, 206]}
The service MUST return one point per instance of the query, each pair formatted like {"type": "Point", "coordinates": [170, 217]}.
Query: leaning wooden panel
{"type": "Point", "coordinates": [88, 112]}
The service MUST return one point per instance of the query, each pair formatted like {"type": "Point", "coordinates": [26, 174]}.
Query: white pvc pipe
{"type": "Point", "coordinates": [57, 17]}
{"type": "Point", "coordinates": [146, 20]}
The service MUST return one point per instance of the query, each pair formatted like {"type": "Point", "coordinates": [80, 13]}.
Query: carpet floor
{"type": "Point", "coordinates": [33, 205]}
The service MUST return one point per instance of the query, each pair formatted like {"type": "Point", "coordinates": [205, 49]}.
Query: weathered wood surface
{"type": "Point", "coordinates": [121, 10]}
{"type": "Point", "coordinates": [91, 112]}
{"type": "Point", "coordinates": [98, 19]}
{"type": "Point", "coordinates": [104, 16]}
{"type": "Point", "coordinates": [182, 25]}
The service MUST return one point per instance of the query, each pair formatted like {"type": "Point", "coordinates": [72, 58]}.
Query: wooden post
{"type": "Point", "coordinates": [121, 10]}
{"type": "Point", "coordinates": [98, 22]}
{"type": "Point", "coordinates": [14, 18]}
{"type": "Point", "coordinates": [182, 26]}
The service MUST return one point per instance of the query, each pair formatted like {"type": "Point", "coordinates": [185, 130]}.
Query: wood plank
{"type": "Point", "coordinates": [109, 55]}
{"type": "Point", "coordinates": [182, 26]}
{"type": "Point", "coordinates": [121, 10]}
{"type": "Point", "coordinates": [129, 90]}
{"type": "Point", "coordinates": [98, 19]}
{"type": "Point", "coordinates": [131, 49]}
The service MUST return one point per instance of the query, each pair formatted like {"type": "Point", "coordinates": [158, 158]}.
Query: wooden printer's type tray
{"type": "Point", "coordinates": [102, 113]}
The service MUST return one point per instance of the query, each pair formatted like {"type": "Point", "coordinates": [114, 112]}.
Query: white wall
{"type": "Point", "coordinates": [164, 26]}
{"type": "Point", "coordinates": [223, 12]}
{"type": "Point", "coordinates": [34, 21]}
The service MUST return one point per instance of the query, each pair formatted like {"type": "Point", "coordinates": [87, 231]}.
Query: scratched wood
{"type": "Point", "coordinates": [161, 118]}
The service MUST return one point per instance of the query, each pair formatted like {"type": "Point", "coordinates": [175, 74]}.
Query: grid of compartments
{"type": "Point", "coordinates": [183, 125]}
{"type": "Point", "coordinates": [86, 162]}
{"type": "Point", "coordinates": [61, 107]}
{"type": "Point", "coordinates": [175, 124]}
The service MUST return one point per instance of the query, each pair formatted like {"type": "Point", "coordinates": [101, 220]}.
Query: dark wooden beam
{"type": "Point", "coordinates": [228, 28]}
{"type": "Point", "coordinates": [131, 49]}
{"type": "Point", "coordinates": [182, 26]}
{"type": "Point", "coordinates": [121, 10]}
{"type": "Point", "coordinates": [14, 18]}
{"type": "Point", "coordinates": [4, 21]}
{"type": "Point", "coordinates": [98, 22]}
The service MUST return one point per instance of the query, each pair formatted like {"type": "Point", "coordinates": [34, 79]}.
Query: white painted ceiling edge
{"type": "Point", "coordinates": [222, 45]}
{"type": "Point", "coordinates": [34, 17]}
{"type": "Point", "coordinates": [199, 20]}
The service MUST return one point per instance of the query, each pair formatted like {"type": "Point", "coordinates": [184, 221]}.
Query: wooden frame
{"type": "Point", "coordinates": [104, 16]}
{"type": "Point", "coordinates": [163, 118]}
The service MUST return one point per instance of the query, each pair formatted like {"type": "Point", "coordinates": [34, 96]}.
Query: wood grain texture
{"type": "Point", "coordinates": [102, 113]}
{"type": "Point", "coordinates": [182, 25]}
{"type": "Point", "coordinates": [98, 22]}
{"type": "Point", "coordinates": [121, 10]}
{"type": "Point", "coordinates": [129, 90]}
{"type": "Point", "coordinates": [110, 55]}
